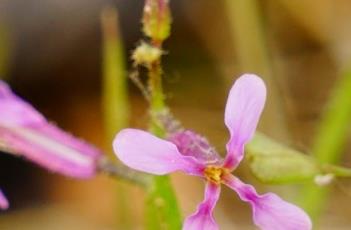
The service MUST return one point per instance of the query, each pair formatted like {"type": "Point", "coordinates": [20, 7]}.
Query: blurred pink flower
{"type": "Point", "coordinates": [192, 155]}
{"type": "Point", "coordinates": [4, 204]}
{"type": "Point", "coordinates": [25, 132]}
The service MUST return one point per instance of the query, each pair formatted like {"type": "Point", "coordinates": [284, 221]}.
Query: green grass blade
{"type": "Point", "coordinates": [330, 141]}
{"type": "Point", "coordinates": [115, 95]}
{"type": "Point", "coordinates": [115, 99]}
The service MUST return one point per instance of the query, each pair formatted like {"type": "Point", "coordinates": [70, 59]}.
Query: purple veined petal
{"type": "Point", "coordinates": [26, 132]}
{"type": "Point", "coordinates": [190, 143]}
{"type": "Point", "coordinates": [270, 212]}
{"type": "Point", "coordinates": [203, 217]}
{"type": "Point", "coordinates": [145, 152]}
{"type": "Point", "coordinates": [4, 204]}
{"type": "Point", "coordinates": [244, 106]}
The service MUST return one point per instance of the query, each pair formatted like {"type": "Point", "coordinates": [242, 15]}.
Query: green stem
{"type": "Point", "coordinates": [115, 95]}
{"type": "Point", "coordinates": [157, 100]}
{"type": "Point", "coordinates": [330, 141]}
{"type": "Point", "coordinates": [336, 170]}
{"type": "Point", "coordinates": [155, 82]}
{"type": "Point", "coordinates": [162, 210]}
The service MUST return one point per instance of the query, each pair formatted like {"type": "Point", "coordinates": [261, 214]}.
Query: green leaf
{"type": "Point", "coordinates": [275, 163]}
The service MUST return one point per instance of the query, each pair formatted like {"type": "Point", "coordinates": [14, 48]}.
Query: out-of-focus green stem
{"type": "Point", "coordinates": [115, 96]}
{"type": "Point", "coordinates": [329, 141]}
{"type": "Point", "coordinates": [253, 56]}
{"type": "Point", "coordinates": [331, 135]}
{"type": "Point", "coordinates": [115, 99]}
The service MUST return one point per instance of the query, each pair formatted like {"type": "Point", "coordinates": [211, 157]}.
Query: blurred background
{"type": "Point", "coordinates": [51, 54]}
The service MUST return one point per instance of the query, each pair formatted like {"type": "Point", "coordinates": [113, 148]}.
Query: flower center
{"type": "Point", "coordinates": [215, 173]}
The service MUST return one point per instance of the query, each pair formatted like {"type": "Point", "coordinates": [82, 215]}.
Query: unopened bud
{"type": "Point", "coordinates": [145, 54]}
{"type": "Point", "coordinates": [157, 19]}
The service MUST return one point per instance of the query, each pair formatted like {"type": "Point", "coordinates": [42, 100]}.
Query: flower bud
{"type": "Point", "coordinates": [157, 19]}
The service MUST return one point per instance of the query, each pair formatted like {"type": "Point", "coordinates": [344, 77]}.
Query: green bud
{"type": "Point", "coordinates": [275, 163]}
{"type": "Point", "coordinates": [157, 19]}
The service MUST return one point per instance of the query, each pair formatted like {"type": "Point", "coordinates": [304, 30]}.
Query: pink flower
{"type": "Point", "coordinates": [191, 154]}
{"type": "Point", "coordinates": [4, 204]}
{"type": "Point", "coordinates": [26, 132]}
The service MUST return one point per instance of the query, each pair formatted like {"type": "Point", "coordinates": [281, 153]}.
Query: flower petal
{"type": "Point", "coordinates": [145, 152]}
{"type": "Point", "coordinates": [244, 106]}
{"type": "Point", "coordinates": [203, 217]}
{"type": "Point", "coordinates": [270, 212]}
{"type": "Point", "coordinates": [26, 132]}
{"type": "Point", "coordinates": [4, 204]}
{"type": "Point", "coordinates": [190, 143]}
{"type": "Point", "coordinates": [15, 111]}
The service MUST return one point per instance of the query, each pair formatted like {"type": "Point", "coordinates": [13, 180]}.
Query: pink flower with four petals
{"type": "Point", "coordinates": [142, 151]}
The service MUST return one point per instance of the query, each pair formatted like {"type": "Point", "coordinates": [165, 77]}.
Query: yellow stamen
{"type": "Point", "coordinates": [215, 173]}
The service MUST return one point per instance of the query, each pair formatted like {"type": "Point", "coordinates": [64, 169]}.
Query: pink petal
{"type": "Point", "coordinates": [270, 212]}
{"type": "Point", "coordinates": [26, 132]}
{"type": "Point", "coordinates": [4, 204]}
{"type": "Point", "coordinates": [244, 106]}
{"type": "Point", "coordinates": [15, 111]}
{"type": "Point", "coordinates": [142, 151]}
{"type": "Point", "coordinates": [190, 143]}
{"type": "Point", "coordinates": [203, 217]}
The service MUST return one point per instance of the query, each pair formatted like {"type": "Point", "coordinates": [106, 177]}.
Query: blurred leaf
{"type": "Point", "coordinates": [162, 208]}
{"type": "Point", "coordinates": [272, 162]}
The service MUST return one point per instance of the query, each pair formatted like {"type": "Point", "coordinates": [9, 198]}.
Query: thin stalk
{"type": "Point", "coordinates": [162, 211]}
{"type": "Point", "coordinates": [330, 141]}
{"type": "Point", "coordinates": [162, 208]}
{"type": "Point", "coordinates": [121, 172]}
